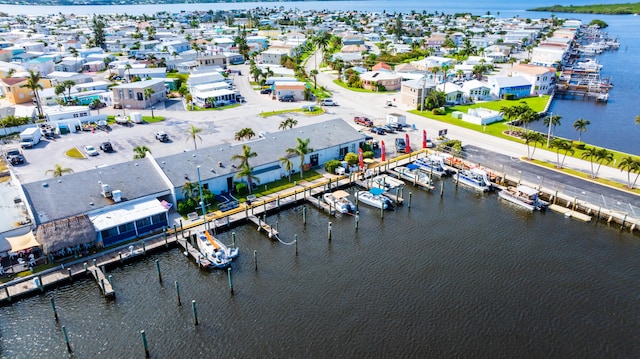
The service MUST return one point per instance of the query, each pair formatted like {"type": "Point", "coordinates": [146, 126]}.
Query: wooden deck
{"type": "Point", "coordinates": [103, 282]}
{"type": "Point", "coordinates": [264, 226]}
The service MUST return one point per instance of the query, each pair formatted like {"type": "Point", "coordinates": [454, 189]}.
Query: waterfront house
{"type": "Point", "coordinates": [503, 85]}
{"type": "Point", "coordinates": [542, 79]}
{"type": "Point", "coordinates": [453, 93]}
{"type": "Point", "coordinates": [132, 95]}
{"type": "Point", "coordinates": [475, 90]}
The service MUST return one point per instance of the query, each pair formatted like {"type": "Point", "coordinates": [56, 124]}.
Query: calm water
{"type": "Point", "coordinates": [465, 276]}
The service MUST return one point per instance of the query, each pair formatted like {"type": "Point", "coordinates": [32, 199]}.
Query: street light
{"type": "Point", "coordinates": [204, 213]}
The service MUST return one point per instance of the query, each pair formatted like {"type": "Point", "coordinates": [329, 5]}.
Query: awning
{"type": "Point", "coordinates": [23, 242]}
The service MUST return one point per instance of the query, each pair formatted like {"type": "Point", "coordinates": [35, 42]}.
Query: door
{"type": "Point", "coordinates": [230, 184]}
{"type": "Point", "coordinates": [313, 160]}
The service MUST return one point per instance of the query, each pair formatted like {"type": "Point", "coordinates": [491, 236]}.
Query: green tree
{"type": "Point", "coordinates": [580, 125]}
{"type": "Point", "coordinates": [314, 74]}
{"type": "Point", "coordinates": [140, 152]}
{"type": "Point", "coordinates": [148, 92]}
{"type": "Point", "coordinates": [630, 164]}
{"type": "Point", "coordinates": [189, 190]}
{"type": "Point", "coordinates": [97, 27]}
{"type": "Point", "coordinates": [288, 123]}
{"type": "Point", "coordinates": [552, 121]}
{"type": "Point", "coordinates": [96, 103]}
{"type": "Point", "coordinates": [194, 134]}
{"type": "Point", "coordinates": [287, 164]}
{"type": "Point", "coordinates": [245, 167]}
{"type": "Point", "coordinates": [74, 52]}
{"type": "Point", "coordinates": [560, 144]}
{"type": "Point", "coordinates": [244, 134]}
{"type": "Point", "coordinates": [532, 138]}
{"type": "Point", "coordinates": [638, 120]}
{"type": "Point", "coordinates": [302, 149]}
{"type": "Point", "coordinates": [58, 170]}
{"type": "Point", "coordinates": [590, 153]}
{"type": "Point", "coordinates": [33, 84]}
{"type": "Point", "coordinates": [603, 155]}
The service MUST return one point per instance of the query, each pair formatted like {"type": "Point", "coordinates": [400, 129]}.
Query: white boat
{"type": "Point", "coordinates": [587, 65]}
{"type": "Point", "coordinates": [215, 251]}
{"type": "Point", "coordinates": [524, 196]}
{"type": "Point", "coordinates": [385, 182]}
{"type": "Point", "coordinates": [432, 165]}
{"type": "Point", "coordinates": [414, 175]}
{"type": "Point", "coordinates": [339, 201]}
{"type": "Point", "coordinates": [474, 178]}
{"type": "Point", "coordinates": [375, 198]}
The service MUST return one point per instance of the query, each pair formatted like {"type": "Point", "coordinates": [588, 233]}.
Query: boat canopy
{"type": "Point", "coordinates": [376, 191]}
{"type": "Point", "coordinates": [340, 194]}
{"type": "Point", "coordinates": [527, 190]}
{"type": "Point", "coordinates": [412, 166]}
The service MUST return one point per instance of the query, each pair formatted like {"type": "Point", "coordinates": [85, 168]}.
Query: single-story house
{"type": "Point", "coordinates": [372, 80]}
{"type": "Point", "coordinates": [502, 85]}
{"type": "Point", "coordinates": [289, 88]}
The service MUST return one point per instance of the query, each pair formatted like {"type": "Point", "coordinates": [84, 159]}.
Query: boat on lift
{"type": "Point", "coordinates": [475, 178]}
{"type": "Point", "coordinates": [375, 197]}
{"type": "Point", "coordinates": [524, 196]}
{"type": "Point", "coordinates": [340, 201]}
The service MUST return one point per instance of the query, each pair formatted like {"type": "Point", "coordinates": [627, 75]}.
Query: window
{"type": "Point", "coordinates": [143, 222]}
{"type": "Point", "coordinates": [120, 94]}
{"type": "Point", "coordinates": [140, 97]}
{"type": "Point", "coordinates": [130, 94]}
{"type": "Point", "coordinates": [128, 227]}
{"type": "Point", "coordinates": [109, 232]}
{"type": "Point", "coordinates": [158, 218]}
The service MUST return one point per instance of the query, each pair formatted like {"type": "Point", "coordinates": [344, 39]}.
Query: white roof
{"type": "Point", "coordinates": [214, 93]}
{"type": "Point", "coordinates": [527, 190]}
{"type": "Point", "coordinates": [125, 212]}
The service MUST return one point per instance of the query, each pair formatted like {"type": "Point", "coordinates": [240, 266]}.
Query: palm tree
{"type": "Point", "coordinates": [96, 104]}
{"type": "Point", "coordinates": [561, 145]}
{"type": "Point", "coordinates": [193, 133]}
{"type": "Point", "coordinates": [140, 152]}
{"type": "Point", "coordinates": [148, 92]}
{"type": "Point", "coordinates": [288, 123]}
{"type": "Point", "coordinates": [74, 53]}
{"type": "Point", "coordinates": [551, 121]}
{"type": "Point", "coordinates": [301, 150]}
{"type": "Point", "coordinates": [127, 67]}
{"type": "Point", "coordinates": [244, 134]}
{"type": "Point", "coordinates": [603, 155]}
{"type": "Point", "coordinates": [33, 84]}
{"type": "Point", "coordinates": [630, 164]}
{"type": "Point", "coordinates": [245, 168]}
{"type": "Point", "coordinates": [638, 120]}
{"type": "Point", "coordinates": [532, 137]}
{"type": "Point", "coordinates": [68, 85]}
{"type": "Point", "coordinates": [591, 153]}
{"type": "Point", "coordinates": [581, 126]}
{"type": "Point", "coordinates": [314, 74]}
{"type": "Point", "coordinates": [189, 190]}
{"type": "Point", "coordinates": [58, 170]}
{"type": "Point", "coordinates": [288, 165]}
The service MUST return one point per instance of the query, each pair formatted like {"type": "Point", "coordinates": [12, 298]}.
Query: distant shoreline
{"type": "Point", "coordinates": [608, 9]}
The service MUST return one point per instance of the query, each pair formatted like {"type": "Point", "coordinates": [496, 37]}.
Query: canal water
{"type": "Point", "coordinates": [465, 275]}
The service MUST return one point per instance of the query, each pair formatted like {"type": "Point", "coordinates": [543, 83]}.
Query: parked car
{"type": "Point", "coordinates": [106, 147]}
{"type": "Point", "coordinates": [389, 128]}
{"type": "Point", "coordinates": [286, 98]}
{"type": "Point", "coordinates": [328, 102]}
{"type": "Point", "coordinates": [377, 130]}
{"type": "Point", "coordinates": [99, 105]}
{"type": "Point", "coordinates": [400, 145]}
{"type": "Point", "coordinates": [14, 156]}
{"type": "Point", "coordinates": [265, 91]}
{"type": "Point", "coordinates": [361, 120]}
{"type": "Point", "coordinates": [91, 151]}
{"type": "Point", "coordinates": [162, 137]}
{"type": "Point", "coordinates": [396, 126]}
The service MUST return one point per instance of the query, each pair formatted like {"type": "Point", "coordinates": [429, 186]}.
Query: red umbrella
{"type": "Point", "coordinates": [384, 152]}
{"type": "Point", "coordinates": [407, 148]}
{"type": "Point", "coordinates": [424, 138]}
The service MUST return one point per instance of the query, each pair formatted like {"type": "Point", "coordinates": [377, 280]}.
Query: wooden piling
{"type": "Point", "coordinates": [295, 242]}
{"type": "Point", "coordinates": [158, 269]}
{"type": "Point", "coordinates": [66, 339]}
{"type": "Point", "coordinates": [255, 260]}
{"type": "Point", "coordinates": [233, 239]}
{"type": "Point", "coordinates": [410, 194]}
{"type": "Point", "coordinates": [70, 275]}
{"type": "Point", "coordinates": [329, 231]}
{"type": "Point", "coordinates": [55, 311]}
{"type": "Point", "coordinates": [357, 219]}
{"type": "Point", "coordinates": [178, 293]}
{"type": "Point", "coordinates": [195, 312]}
{"type": "Point", "coordinates": [144, 343]}
{"type": "Point", "coordinates": [441, 188]}
{"type": "Point", "coordinates": [230, 279]}
{"type": "Point", "coordinates": [304, 215]}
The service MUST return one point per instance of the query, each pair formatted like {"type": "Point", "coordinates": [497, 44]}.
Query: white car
{"type": "Point", "coordinates": [328, 102]}
{"type": "Point", "coordinates": [90, 150]}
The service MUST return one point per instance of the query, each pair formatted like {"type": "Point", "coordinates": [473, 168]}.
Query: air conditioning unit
{"type": "Point", "coordinates": [117, 195]}
{"type": "Point", "coordinates": [106, 190]}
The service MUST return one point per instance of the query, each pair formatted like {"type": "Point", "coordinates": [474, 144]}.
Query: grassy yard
{"type": "Point", "coordinates": [354, 89]}
{"type": "Point", "coordinates": [318, 110]}
{"type": "Point", "coordinates": [74, 153]}
{"type": "Point", "coordinates": [196, 108]}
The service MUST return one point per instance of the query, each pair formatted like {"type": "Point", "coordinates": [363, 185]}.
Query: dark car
{"type": "Point", "coordinates": [162, 137]}
{"type": "Point", "coordinates": [378, 130]}
{"type": "Point", "coordinates": [389, 128]}
{"type": "Point", "coordinates": [400, 145]}
{"type": "Point", "coordinates": [265, 91]}
{"type": "Point", "coordinates": [106, 147]}
{"type": "Point", "coordinates": [361, 120]}
{"type": "Point", "coordinates": [286, 98]}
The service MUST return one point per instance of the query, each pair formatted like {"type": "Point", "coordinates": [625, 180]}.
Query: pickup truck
{"type": "Point", "coordinates": [162, 137]}
{"type": "Point", "coordinates": [361, 120]}
{"type": "Point", "coordinates": [14, 156]}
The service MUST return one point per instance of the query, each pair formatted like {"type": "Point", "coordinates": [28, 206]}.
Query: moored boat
{"type": "Point", "coordinates": [475, 178]}
{"type": "Point", "coordinates": [524, 196]}
{"type": "Point", "coordinates": [385, 182]}
{"type": "Point", "coordinates": [412, 174]}
{"type": "Point", "coordinates": [339, 201]}
{"type": "Point", "coordinates": [215, 251]}
{"type": "Point", "coordinates": [375, 198]}
{"type": "Point", "coordinates": [432, 165]}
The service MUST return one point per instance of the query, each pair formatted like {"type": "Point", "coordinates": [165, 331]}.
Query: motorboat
{"type": "Point", "coordinates": [374, 197]}
{"type": "Point", "coordinates": [590, 65]}
{"type": "Point", "coordinates": [475, 178]}
{"type": "Point", "coordinates": [433, 165]}
{"type": "Point", "coordinates": [339, 201]}
{"type": "Point", "coordinates": [385, 182]}
{"type": "Point", "coordinates": [215, 251]}
{"type": "Point", "coordinates": [413, 174]}
{"type": "Point", "coordinates": [524, 196]}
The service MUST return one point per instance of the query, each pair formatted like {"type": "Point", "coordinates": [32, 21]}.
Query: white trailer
{"type": "Point", "coordinates": [396, 119]}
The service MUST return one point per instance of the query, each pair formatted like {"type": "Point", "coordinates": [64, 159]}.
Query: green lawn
{"type": "Point", "coordinates": [196, 108]}
{"type": "Point", "coordinates": [317, 111]}
{"type": "Point", "coordinates": [354, 89]}
{"type": "Point", "coordinates": [282, 184]}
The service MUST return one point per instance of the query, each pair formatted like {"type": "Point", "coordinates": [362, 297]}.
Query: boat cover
{"type": "Point", "coordinates": [412, 166]}
{"type": "Point", "coordinates": [340, 194]}
{"type": "Point", "coordinates": [376, 191]}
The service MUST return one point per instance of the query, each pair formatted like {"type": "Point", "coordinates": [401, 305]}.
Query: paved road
{"type": "Point", "coordinates": [220, 127]}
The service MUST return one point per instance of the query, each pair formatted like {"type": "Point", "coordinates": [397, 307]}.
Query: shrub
{"type": "Point", "coordinates": [187, 206]}
{"type": "Point", "coordinates": [438, 111]}
{"type": "Point", "coordinates": [351, 158]}
{"type": "Point", "coordinates": [509, 96]}
{"type": "Point", "coordinates": [579, 145]}
{"type": "Point", "coordinates": [241, 188]}
{"type": "Point", "coordinates": [330, 166]}
{"type": "Point", "coordinates": [367, 154]}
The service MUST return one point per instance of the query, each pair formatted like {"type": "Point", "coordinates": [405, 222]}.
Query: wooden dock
{"type": "Point", "coordinates": [103, 282]}
{"type": "Point", "coordinates": [570, 213]}
{"type": "Point", "coordinates": [326, 208]}
{"type": "Point", "coordinates": [189, 250]}
{"type": "Point", "coordinates": [271, 232]}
